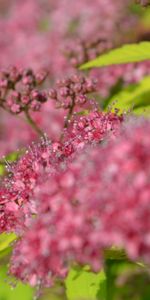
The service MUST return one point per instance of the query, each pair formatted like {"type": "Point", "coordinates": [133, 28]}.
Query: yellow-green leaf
{"type": "Point", "coordinates": [83, 284]}
{"type": "Point", "coordinates": [126, 54]}
{"type": "Point", "coordinates": [7, 292]}
{"type": "Point", "coordinates": [135, 96]}
{"type": "Point", "coordinates": [6, 239]}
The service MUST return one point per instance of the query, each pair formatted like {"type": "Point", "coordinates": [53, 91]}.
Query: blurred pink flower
{"type": "Point", "coordinates": [100, 200]}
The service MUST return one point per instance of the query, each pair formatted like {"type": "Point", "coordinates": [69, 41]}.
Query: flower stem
{"type": "Point", "coordinates": [70, 112]}
{"type": "Point", "coordinates": [68, 118]}
{"type": "Point", "coordinates": [33, 124]}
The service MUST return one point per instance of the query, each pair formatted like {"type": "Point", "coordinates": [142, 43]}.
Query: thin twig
{"type": "Point", "coordinates": [68, 118]}
{"type": "Point", "coordinates": [33, 124]}
{"type": "Point", "coordinates": [69, 115]}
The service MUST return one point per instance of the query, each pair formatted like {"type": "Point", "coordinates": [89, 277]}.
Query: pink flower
{"type": "Point", "coordinates": [73, 91]}
{"type": "Point", "coordinates": [46, 158]}
{"type": "Point", "coordinates": [100, 200]}
{"type": "Point", "coordinates": [92, 128]}
{"type": "Point", "coordinates": [18, 90]}
{"type": "Point", "coordinates": [36, 164]}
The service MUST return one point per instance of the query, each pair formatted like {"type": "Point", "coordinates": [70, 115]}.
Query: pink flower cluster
{"type": "Point", "coordinates": [72, 91]}
{"type": "Point", "coordinates": [40, 162]}
{"type": "Point", "coordinates": [38, 37]}
{"type": "Point", "coordinates": [101, 199]}
{"type": "Point", "coordinates": [92, 128]}
{"type": "Point", "coordinates": [26, 37]}
{"type": "Point", "coordinates": [84, 51]}
{"type": "Point", "coordinates": [18, 90]}
{"type": "Point", "coordinates": [16, 190]}
{"type": "Point", "coordinates": [86, 185]}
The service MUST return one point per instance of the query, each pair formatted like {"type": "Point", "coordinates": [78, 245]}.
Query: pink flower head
{"type": "Point", "coordinates": [100, 200]}
{"type": "Point", "coordinates": [72, 91]}
{"type": "Point", "coordinates": [16, 189]}
{"type": "Point", "coordinates": [18, 90]}
{"type": "Point", "coordinates": [92, 128]}
{"type": "Point", "coordinates": [46, 158]}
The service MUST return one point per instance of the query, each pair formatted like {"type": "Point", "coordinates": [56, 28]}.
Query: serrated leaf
{"type": "Point", "coordinates": [84, 284]}
{"type": "Point", "coordinates": [137, 96]}
{"type": "Point", "coordinates": [123, 55]}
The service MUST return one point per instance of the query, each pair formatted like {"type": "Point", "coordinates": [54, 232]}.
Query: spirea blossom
{"type": "Point", "coordinates": [81, 51]}
{"type": "Point", "coordinates": [92, 128]}
{"type": "Point", "coordinates": [36, 164]}
{"type": "Point", "coordinates": [126, 191]}
{"type": "Point", "coordinates": [18, 90]}
{"type": "Point", "coordinates": [100, 200]}
{"type": "Point", "coordinates": [85, 187]}
{"type": "Point", "coordinates": [72, 91]}
{"type": "Point", "coordinates": [43, 159]}
{"type": "Point", "coordinates": [37, 36]}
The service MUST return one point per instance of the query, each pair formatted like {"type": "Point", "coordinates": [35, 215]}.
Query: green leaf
{"type": "Point", "coordinates": [142, 111]}
{"type": "Point", "coordinates": [123, 55]}
{"type": "Point", "coordinates": [114, 253]}
{"type": "Point", "coordinates": [6, 239]}
{"type": "Point", "coordinates": [5, 243]}
{"type": "Point", "coordinates": [81, 283]}
{"type": "Point", "coordinates": [127, 280]}
{"type": "Point", "coordinates": [136, 95]}
{"type": "Point", "coordinates": [2, 169]}
{"type": "Point", "coordinates": [7, 292]}
{"type": "Point", "coordinates": [10, 157]}
{"type": "Point", "coordinates": [56, 292]}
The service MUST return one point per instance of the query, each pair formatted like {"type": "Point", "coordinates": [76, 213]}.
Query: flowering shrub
{"type": "Point", "coordinates": [75, 162]}
{"type": "Point", "coordinates": [84, 211]}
